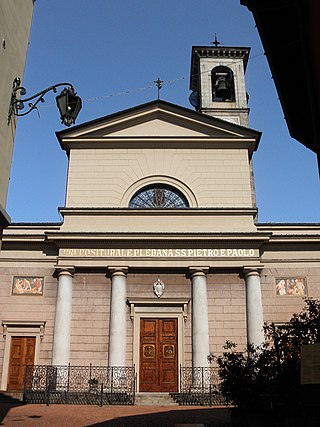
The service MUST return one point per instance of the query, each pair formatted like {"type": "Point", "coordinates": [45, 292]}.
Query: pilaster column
{"type": "Point", "coordinates": [255, 334]}
{"type": "Point", "coordinates": [118, 312]}
{"type": "Point", "coordinates": [200, 324]}
{"type": "Point", "coordinates": [62, 323]}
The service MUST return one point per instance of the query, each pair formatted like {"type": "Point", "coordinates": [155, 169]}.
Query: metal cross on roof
{"type": "Point", "coordinates": [215, 41]}
{"type": "Point", "coordinates": [159, 85]}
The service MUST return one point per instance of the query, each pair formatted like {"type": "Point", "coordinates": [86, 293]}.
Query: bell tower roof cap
{"type": "Point", "coordinates": [214, 52]}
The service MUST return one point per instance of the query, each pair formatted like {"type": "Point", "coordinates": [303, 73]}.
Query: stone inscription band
{"type": "Point", "coordinates": [159, 253]}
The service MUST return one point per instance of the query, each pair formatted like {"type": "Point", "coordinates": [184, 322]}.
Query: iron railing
{"type": "Point", "coordinates": [95, 385]}
{"type": "Point", "coordinates": [199, 386]}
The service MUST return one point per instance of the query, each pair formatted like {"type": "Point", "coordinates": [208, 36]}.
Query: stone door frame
{"type": "Point", "coordinates": [151, 308]}
{"type": "Point", "coordinates": [19, 329]}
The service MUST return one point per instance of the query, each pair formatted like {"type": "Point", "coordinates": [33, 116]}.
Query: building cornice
{"type": "Point", "coordinates": [64, 239]}
{"type": "Point", "coordinates": [132, 142]}
{"type": "Point", "coordinates": [94, 211]}
{"type": "Point", "coordinates": [289, 226]}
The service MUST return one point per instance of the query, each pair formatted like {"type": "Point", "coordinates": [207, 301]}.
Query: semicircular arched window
{"type": "Point", "coordinates": [158, 196]}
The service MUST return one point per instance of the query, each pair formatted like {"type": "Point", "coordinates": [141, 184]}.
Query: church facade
{"type": "Point", "coordinates": [160, 257]}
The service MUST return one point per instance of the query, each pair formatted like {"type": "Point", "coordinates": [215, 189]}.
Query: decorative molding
{"type": "Point", "coordinates": [165, 302]}
{"type": "Point", "coordinates": [19, 326]}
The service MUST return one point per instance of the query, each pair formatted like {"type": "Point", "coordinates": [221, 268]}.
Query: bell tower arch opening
{"type": "Point", "coordinates": [222, 83]}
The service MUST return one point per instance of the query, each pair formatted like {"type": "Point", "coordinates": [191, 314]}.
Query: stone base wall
{"type": "Point", "coordinates": [227, 310]}
{"type": "Point", "coordinates": [91, 308]}
{"type": "Point", "coordinates": [90, 319]}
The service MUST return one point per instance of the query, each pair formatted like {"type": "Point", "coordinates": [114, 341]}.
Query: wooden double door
{"type": "Point", "coordinates": [158, 355]}
{"type": "Point", "coordinates": [22, 351]}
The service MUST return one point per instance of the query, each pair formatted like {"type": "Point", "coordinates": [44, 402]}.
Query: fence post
{"type": "Point", "coordinates": [47, 385]}
{"type": "Point", "coordinates": [101, 395]}
{"type": "Point", "coordinates": [134, 379]}
{"type": "Point", "coordinates": [68, 384]}
{"type": "Point", "coordinates": [25, 382]}
{"type": "Point", "coordinates": [210, 399]}
{"type": "Point", "coordinates": [202, 385]}
{"type": "Point", "coordinates": [111, 388]}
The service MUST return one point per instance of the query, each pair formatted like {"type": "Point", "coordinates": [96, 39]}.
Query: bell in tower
{"type": "Point", "coordinates": [221, 88]}
{"type": "Point", "coordinates": [217, 82]}
{"type": "Point", "coordinates": [222, 84]}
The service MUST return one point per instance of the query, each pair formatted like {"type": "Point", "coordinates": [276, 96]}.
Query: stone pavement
{"type": "Point", "coordinates": [113, 416]}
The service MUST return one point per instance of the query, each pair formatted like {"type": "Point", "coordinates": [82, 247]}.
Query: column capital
{"type": "Point", "coordinates": [118, 271]}
{"type": "Point", "coordinates": [252, 270]}
{"type": "Point", "coordinates": [198, 271]}
{"type": "Point", "coordinates": [64, 271]}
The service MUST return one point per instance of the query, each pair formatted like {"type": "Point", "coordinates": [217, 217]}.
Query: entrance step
{"type": "Point", "coordinates": [11, 397]}
{"type": "Point", "coordinates": [154, 399]}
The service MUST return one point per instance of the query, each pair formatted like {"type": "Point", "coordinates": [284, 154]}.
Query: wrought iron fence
{"type": "Point", "coordinates": [199, 386]}
{"type": "Point", "coordinates": [92, 385]}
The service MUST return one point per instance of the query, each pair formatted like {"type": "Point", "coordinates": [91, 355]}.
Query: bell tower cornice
{"type": "Point", "coordinates": [214, 52]}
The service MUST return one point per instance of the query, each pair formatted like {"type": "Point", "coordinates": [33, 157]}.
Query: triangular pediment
{"type": "Point", "coordinates": [157, 119]}
{"type": "Point", "coordinates": [155, 124]}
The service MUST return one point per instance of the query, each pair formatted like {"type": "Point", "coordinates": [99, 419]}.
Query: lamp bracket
{"type": "Point", "coordinates": [17, 103]}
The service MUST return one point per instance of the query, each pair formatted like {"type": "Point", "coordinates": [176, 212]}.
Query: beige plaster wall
{"type": "Point", "coordinates": [15, 22]}
{"type": "Point", "coordinates": [149, 222]}
{"type": "Point", "coordinates": [217, 177]}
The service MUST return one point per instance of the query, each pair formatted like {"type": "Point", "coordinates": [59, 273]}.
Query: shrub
{"type": "Point", "coordinates": [272, 369]}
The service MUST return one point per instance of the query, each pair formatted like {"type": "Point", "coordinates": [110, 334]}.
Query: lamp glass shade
{"type": "Point", "coordinates": [69, 105]}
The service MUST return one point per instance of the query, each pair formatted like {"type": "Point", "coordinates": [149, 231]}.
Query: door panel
{"type": "Point", "coordinates": [22, 352]}
{"type": "Point", "coordinates": [158, 355]}
{"type": "Point", "coordinates": [149, 363]}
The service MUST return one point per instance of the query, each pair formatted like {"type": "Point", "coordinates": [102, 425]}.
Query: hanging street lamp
{"type": "Point", "coordinates": [68, 102]}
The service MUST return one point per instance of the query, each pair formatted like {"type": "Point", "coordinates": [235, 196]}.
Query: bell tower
{"type": "Point", "coordinates": [217, 82]}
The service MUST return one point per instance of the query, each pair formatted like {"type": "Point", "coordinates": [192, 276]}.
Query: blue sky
{"type": "Point", "coordinates": [112, 51]}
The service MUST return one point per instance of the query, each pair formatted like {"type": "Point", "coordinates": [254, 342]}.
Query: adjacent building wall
{"type": "Point", "coordinates": [15, 23]}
